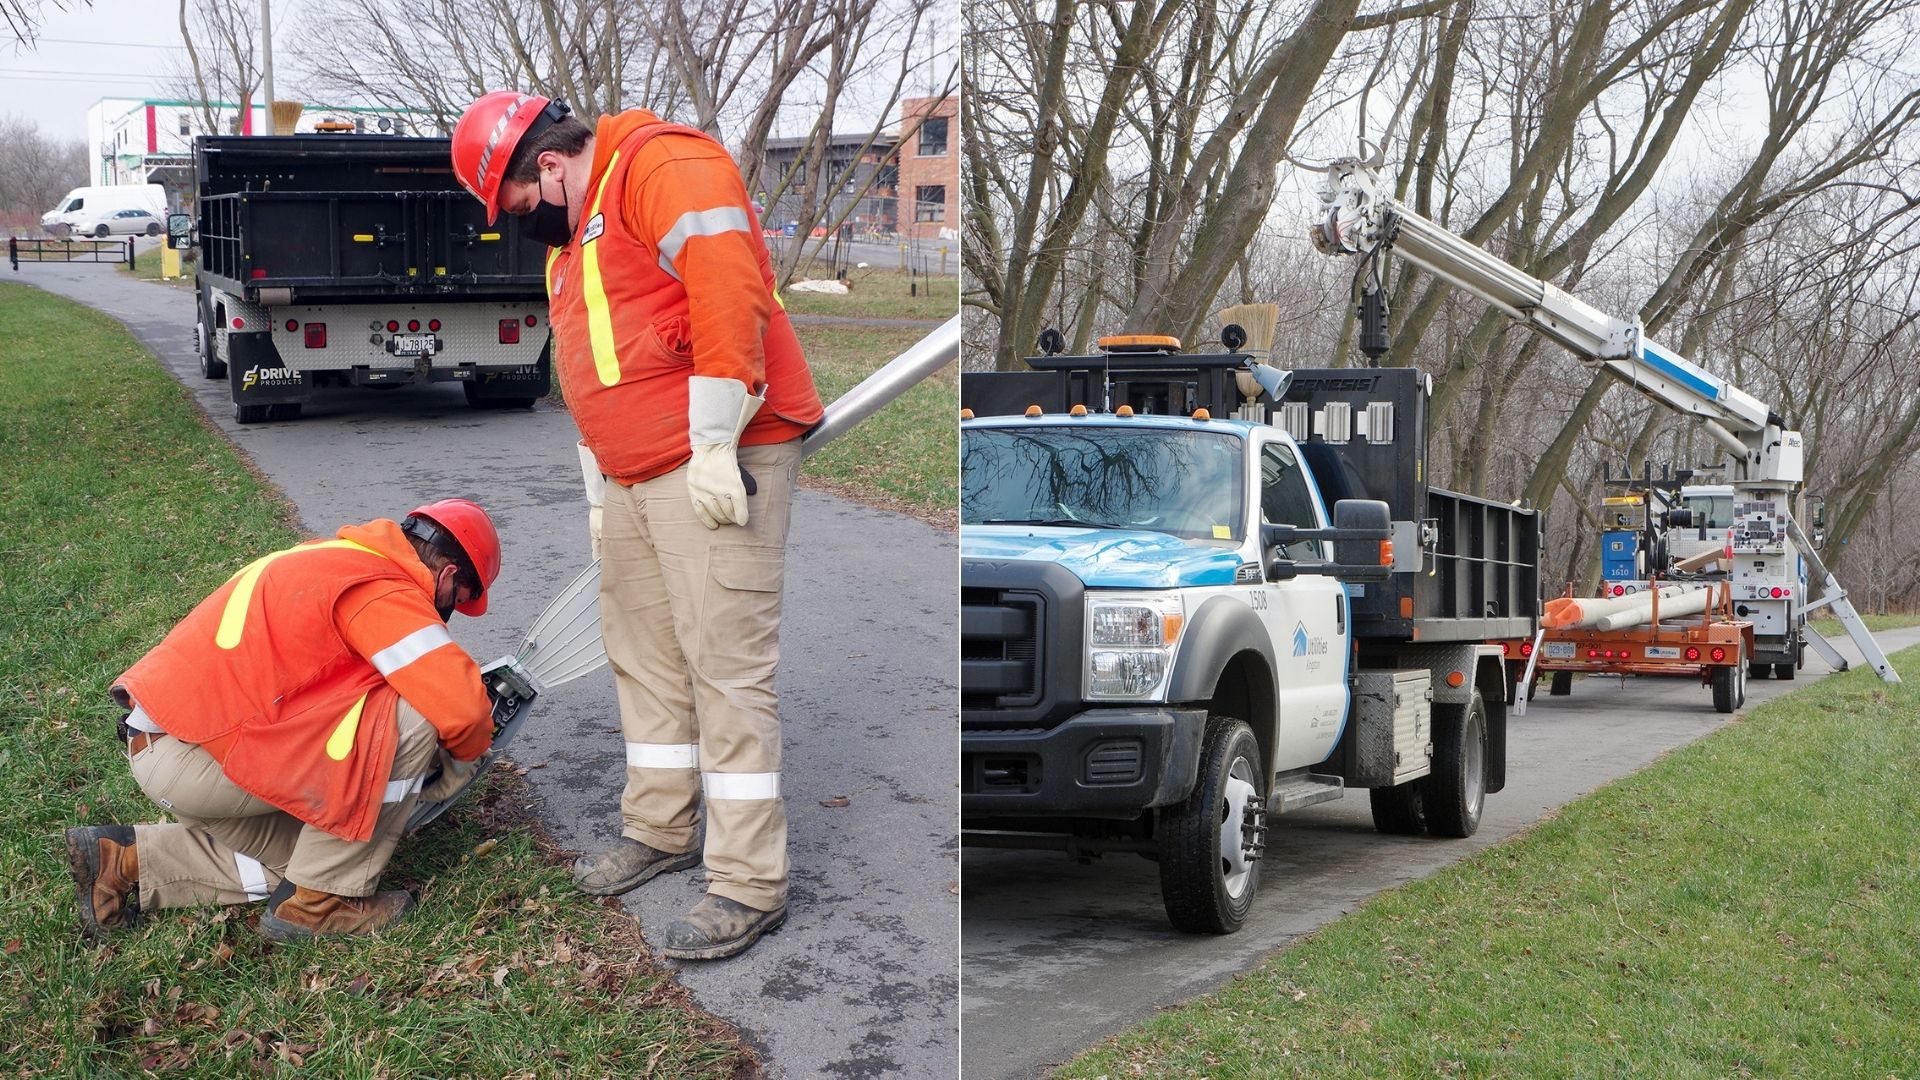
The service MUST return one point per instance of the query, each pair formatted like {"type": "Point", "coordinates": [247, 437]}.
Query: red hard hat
{"type": "Point", "coordinates": [484, 139]}
{"type": "Point", "coordinates": [469, 526]}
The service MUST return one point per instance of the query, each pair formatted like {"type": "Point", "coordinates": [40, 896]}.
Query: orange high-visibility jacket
{"type": "Point", "coordinates": [291, 672]}
{"type": "Point", "coordinates": [667, 277]}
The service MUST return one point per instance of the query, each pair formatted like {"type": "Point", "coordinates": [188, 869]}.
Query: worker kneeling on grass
{"type": "Point", "coordinates": [291, 721]}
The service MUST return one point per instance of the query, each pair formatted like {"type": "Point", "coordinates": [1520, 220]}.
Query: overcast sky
{"type": "Point", "coordinates": [128, 48]}
{"type": "Point", "coordinates": [115, 48]}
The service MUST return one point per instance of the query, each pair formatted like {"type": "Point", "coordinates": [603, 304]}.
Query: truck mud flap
{"type": "Point", "coordinates": [258, 377]}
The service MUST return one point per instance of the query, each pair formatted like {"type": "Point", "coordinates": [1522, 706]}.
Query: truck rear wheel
{"type": "Point", "coordinates": [1455, 792]}
{"type": "Point", "coordinates": [1783, 671]}
{"type": "Point", "coordinates": [1397, 810]}
{"type": "Point", "coordinates": [1758, 670]}
{"type": "Point", "coordinates": [478, 400]}
{"type": "Point", "coordinates": [251, 414]}
{"type": "Point", "coordinates": [1211, 842]}
{"type": "Point", "coordinates": [210, 366]}
{"type": "Point", "coordinates": [1562, 684]}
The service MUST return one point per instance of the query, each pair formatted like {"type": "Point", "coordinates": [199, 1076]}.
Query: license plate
{"type": "Point", "coordinates": [410, 344]}
{"type": "Point", "coordinates": [1559, 650]}
{"type": "Point", "coordinates": [1663, 652]}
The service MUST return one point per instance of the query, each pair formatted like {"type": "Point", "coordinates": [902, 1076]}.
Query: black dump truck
{"type": "Point", "coordinates": [337, 260]}
{"type": "Point", "coordinates": [1191, 602]}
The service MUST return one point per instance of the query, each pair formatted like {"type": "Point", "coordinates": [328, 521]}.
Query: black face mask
{"type": "Point", "coordinates": [546, 223]}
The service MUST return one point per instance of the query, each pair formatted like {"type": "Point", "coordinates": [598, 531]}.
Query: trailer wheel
{"type": "Point", "coordinates": [251, 414]}
{"type": "Point", "coordinates": [1562, 684]}
{"type": "Point", "coordinates": [1783, 671]}
{"type": "Point", "coordinates": [1211, 842]}
{"type": "Point", "coordinates": [1725, 694]}
{"type": "Point", "coordinates": [1397, 810]}
{"type": "Point", "coordinates": [1455, 793]}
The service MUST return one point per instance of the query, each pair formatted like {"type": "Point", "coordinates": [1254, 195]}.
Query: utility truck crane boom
{"type": "Point", "coordinates": [1360, 217]}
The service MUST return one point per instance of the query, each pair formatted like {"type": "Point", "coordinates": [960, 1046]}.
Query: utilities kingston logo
{"type": "Point", "coordinates": [1300, 639]}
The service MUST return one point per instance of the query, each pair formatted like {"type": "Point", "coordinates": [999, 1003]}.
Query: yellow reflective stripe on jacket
{"type": "Point", "coordinates": [233, 618]}
{"type": "Point", "coordinates": [606, 359]}
{"type": "Point", "coordinates": [340, 743]}
{"type": "Point", "coordinates": [553, 256]}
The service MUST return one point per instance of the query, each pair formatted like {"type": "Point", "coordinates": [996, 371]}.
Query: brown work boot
{"type": "Point", "coordinates": [106, 877]}
{"type": "Point", "coordinates": [716, 927]}
{"type": "Point", "coordinates": [297, 913]}
{"type": "Point", "coordinates": [626, 865]}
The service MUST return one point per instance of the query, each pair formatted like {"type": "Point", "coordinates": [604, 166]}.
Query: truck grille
{"type": "Point", "coordinates": [1000, 648]}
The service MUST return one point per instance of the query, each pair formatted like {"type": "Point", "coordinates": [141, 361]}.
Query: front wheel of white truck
{"type": "Point", "coordinates": [1211, 842]}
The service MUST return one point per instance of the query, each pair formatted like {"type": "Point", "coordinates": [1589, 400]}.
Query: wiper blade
{"type": "Point", "coordinates": [1064, 523]}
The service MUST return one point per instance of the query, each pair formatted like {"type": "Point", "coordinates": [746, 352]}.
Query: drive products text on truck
{"type": "Point", "coordinates": [1164, 644]}
{"type": "Point", "coordinates": [336, 260]}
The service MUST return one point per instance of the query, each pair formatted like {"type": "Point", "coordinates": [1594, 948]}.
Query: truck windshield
{"type": "Point", "coordinates": [1186, 483]}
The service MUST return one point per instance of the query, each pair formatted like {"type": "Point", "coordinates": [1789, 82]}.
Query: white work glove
{"type": "Point", "coordinates": [596, 494]}
{"type": "Point", "coordinates": [452, 777]}
{"type": "Point", "coordinates": [717, 412]}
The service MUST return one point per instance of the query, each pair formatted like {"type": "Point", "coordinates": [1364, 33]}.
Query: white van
{"type": "Point", "coordinates": [92, 205]}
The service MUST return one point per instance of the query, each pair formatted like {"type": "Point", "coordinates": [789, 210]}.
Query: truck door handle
{"type": "Point", "coordinates": [1340, 613]}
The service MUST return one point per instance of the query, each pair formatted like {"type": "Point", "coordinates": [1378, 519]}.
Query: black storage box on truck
{"type": "Point", "coordinates": [356, 260]}
{"type": "Point", "coordinates": [1179, 618]}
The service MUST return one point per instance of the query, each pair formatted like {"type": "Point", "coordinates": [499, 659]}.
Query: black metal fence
{"type": "Point", "coordinates": [36, 249]}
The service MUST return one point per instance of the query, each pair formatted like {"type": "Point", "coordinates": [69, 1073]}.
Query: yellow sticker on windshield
{"type": "Point", "coordinates": [1222, 532]}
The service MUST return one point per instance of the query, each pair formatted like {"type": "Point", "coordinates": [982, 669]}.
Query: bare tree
{"type": "Point", "coordinates": [35, 170]}
{"type": "Point", "coordinates": [23, 16]}
{"type": "Point", "coordinates": [223, 57]}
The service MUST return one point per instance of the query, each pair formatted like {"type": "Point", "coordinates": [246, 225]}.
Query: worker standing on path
{"type": "Point", "coordinates": [691, 394]}
{"type": "Point", "coordinates": [291, 721]}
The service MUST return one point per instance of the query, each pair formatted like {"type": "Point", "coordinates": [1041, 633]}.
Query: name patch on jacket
{"type": "Point", "coordinates": [595, 226]}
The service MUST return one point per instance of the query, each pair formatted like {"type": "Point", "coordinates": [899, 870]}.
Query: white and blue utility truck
{"type": "Point", "coordinates": [1196, 595]}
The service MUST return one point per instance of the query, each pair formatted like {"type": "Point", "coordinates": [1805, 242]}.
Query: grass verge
{"type": "Point", "coordinates": [906, 456]}
{"type": "Point", "coordinates": [121, 510]}
{"type": "Point", "coordinates": [146, 267]}
{"type": "Point", "coordinates": [1831, 627]}
{"type": "Point", "coordinates": [883, 294]}
{"type": "Point", "coordinates": [1743, 907]}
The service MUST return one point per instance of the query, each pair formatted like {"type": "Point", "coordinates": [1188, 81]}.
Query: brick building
{"type": "Point", "coordinates": [930, 167]}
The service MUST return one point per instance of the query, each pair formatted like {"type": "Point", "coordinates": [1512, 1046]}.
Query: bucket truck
{"type": "Point", "coordinates": [1360, 217]}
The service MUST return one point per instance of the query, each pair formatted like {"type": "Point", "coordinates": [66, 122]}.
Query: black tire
{"type": "Point", "coordinates": [478, 400]}
{"type": "Point", "coordinates": [1783, 671]}
{"type": "Point", "coordinates": [285, 411]}
{"type": "Point", "coordinates": [102, 231]}
{"type": "Point", "coordinates": [1204, 892]}
{"type": "Point", "coordinates": [1455, 793]}
{"type": "Point", "coordinates": [153, 228]}
{"type": "Point", "coordinates": [1725, 697]}
{"type": "Point", "coordinates": [251, 414]}
{"type": "Point", "coordinates": [1397, 810]}
{"type": "Point", "coordinates": [1758, 670]}
{"type": "Point", "coordinates": [1562, 684]}
{"type": "Point", "coordinates": [210, 366]}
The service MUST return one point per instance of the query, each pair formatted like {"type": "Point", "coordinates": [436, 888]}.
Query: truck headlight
{"type": "Point", "coordinates": [1130, 645]}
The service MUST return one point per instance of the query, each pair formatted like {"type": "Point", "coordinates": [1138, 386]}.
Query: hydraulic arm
{"type": "Point", "coordinates": [1359, 217]}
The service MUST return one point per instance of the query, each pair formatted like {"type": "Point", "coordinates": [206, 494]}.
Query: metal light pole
{"type": "Point", "coordinates": [266, 52]}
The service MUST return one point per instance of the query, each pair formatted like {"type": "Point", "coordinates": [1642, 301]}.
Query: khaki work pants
{"type": "Point", "coordinates": [691, 621]}
{"type": "Point", "coordinates": [229, 847]}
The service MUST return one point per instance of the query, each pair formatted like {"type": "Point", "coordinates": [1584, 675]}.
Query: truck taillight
{"type": "Point", "coordinates": [1693, 652]}
{"type": "Point", "coordinates": [1778, 593]}
{"type": "Point", "coordinates": [509, 331]}
{"type": "Point", "coordinates": [1719, 654]}
{"type": "Point", "coordinates": [433, 325]}
{"type": "Point", "coordinates": [1506, 648]}
{"type": "Point", "coordinates": [533, 320]}
{"type": "Point", "coordinates": [316, 335]}
{"type": "Point", "coordinates": [413, 326]}
{"type": "Point", "coordinates": [239, 324]}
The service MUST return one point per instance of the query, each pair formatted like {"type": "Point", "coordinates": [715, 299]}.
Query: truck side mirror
{"type": "Point", "coordinates": [1369, 517]}
{"type": "Point", "coordinates": [1362, 536]}
{"type": "Point", "coordinates": [179, 230]}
